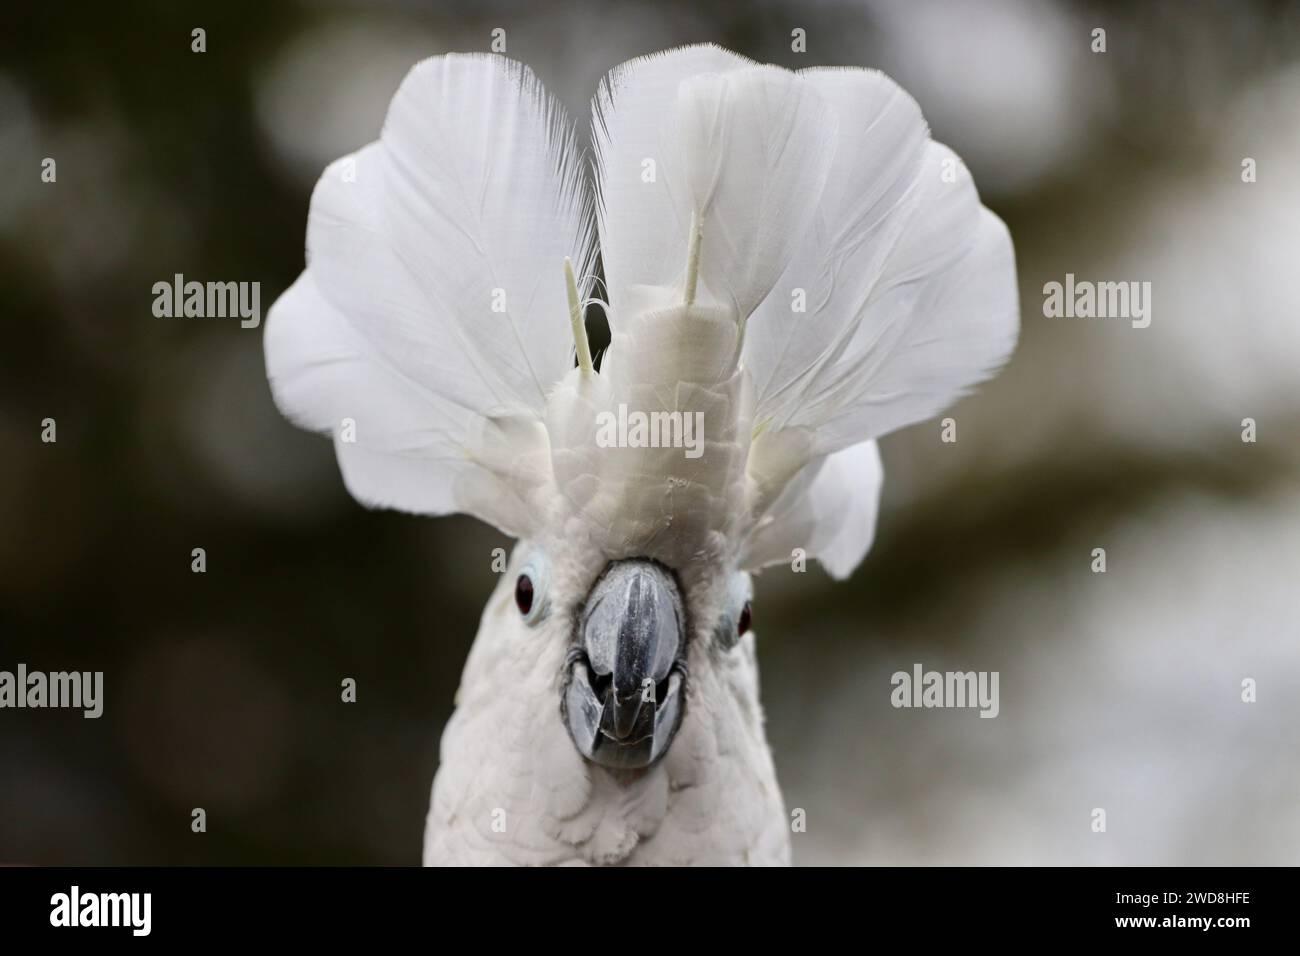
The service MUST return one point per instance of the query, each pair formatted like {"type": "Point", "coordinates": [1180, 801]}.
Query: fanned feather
{"type": "Point", "coordinates": [828, 510]}
{"type": "Point", "coordinates": [701, 136]}
{"type": "Point", "coordinates": [910, 294]}
{"type": "Point", "coordinates": [433, 312]}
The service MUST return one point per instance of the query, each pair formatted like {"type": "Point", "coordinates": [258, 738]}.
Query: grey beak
{"type": "Point", "coordinates": [624, 685]}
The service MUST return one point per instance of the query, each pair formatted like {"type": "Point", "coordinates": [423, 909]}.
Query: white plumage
{"type": "Point", "coordinates": [786, 254]}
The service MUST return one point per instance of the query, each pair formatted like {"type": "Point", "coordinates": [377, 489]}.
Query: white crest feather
{"type": "Point", "coordinates": [699, 144]}
{"type": "Point", "coordinates": [726, 190]}
{"type": "Point", "coordinates": [435, 276]}
{"type": "Point", "coordinates": [910, 294]}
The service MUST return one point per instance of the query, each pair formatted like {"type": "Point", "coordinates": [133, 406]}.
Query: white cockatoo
{"type": "Point", "coordinates": [792, 268]}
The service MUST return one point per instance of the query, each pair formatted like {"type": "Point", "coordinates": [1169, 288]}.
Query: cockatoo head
{"type": "Point", "coordinates": [635, 569]}
{"type": "Point", "coordinates": [792, 268]}
{"type": "Point", "coordinates": [622, 688]}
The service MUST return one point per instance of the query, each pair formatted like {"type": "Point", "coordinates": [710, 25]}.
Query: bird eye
{"type": "Point", "coordinates": [531, 588]}
{"type": "Point", "coordinates": [738, 618]}
{"type": "Point", "coordinates": [524, 594]}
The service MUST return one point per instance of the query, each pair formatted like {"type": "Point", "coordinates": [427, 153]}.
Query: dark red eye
{"type": "Point", "coordinates": [746, 619]}
{"type": "Point", "coordinates": [524, 593]}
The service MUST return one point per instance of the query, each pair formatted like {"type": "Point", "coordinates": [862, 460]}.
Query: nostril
{"type": "Point", "coordinates": [600, 684]}
{"type": "Point", "coordinates": [661, 689]}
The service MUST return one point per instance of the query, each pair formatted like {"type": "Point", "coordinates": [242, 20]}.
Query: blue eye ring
{"type": "Point", "coordinates": [532, 588]}
{"type": "Point", "coordinates": [737, 619]}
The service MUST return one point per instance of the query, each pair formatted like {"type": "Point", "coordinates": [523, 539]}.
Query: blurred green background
{"type": "Point", "coordinates": [1119, 690]}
